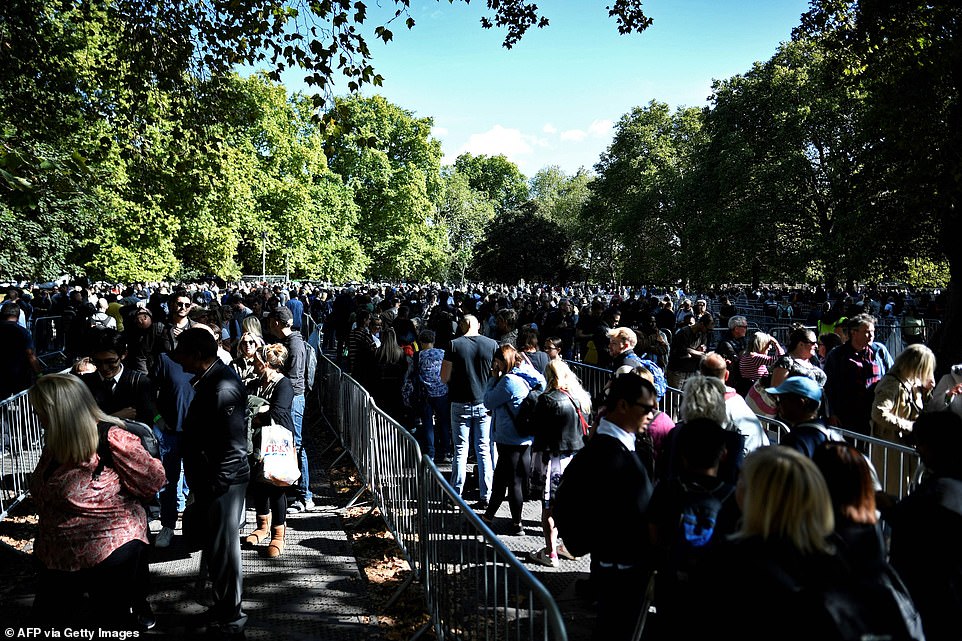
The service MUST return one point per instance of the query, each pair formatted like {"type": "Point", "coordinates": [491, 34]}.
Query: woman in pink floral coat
{"type": "Point", "coordinates": [93, 528]}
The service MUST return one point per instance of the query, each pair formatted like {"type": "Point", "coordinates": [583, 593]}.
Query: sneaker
{"type": "Point", "coordinates": [309, 505]}
{"type": "Point", "coordinates": [481, 505]}
{"type": "Point", "coordinates": [164, 537]}
{"type": "Point", "coordinates": [296, 507]}
{"type": "Point", "coordinates": [515, 529]}
{"type": "Point", "coordinates": [144, 615]}
{"type": "Point", "coordinates": [542, 557]}
{"type": "Point", "coordinates": [565, 554]}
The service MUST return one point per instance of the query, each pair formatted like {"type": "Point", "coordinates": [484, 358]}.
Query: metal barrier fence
{"type": "Point", "coordinates": [898, 466]}
{"type": "Point", "coordinates": [21, 439]}
{"type": "Point", "coordinates": [48, 335]}
{"type": "Point", "coordinates": [475, 587]}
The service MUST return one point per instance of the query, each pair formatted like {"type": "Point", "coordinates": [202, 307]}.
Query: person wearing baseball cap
{"type": "Point", "coordinates": [798, 399]}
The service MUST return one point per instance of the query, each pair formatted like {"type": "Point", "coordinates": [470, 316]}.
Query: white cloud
{"type": "Point", "coordinates": [439, 132]}
{"type": "Point", "coordinates": [549, 129]}
{"type": "Point", "coordinates": [573, 134]}
{"type": "Point", "coordinates": [499, 140]}
{"type": "Point", "coordinates": [601, 128]}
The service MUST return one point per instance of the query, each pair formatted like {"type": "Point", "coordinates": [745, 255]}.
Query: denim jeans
{"type": "Point", "coordinates": [173, 496]}
{"type": "Point", "coordinates": [435, 407]}
{"type": "Point", "coordinates": [297, 415]}
{"type": "Point", "coordinates": [470, 423]}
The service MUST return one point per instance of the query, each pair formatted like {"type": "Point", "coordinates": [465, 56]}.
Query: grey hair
{"type": "Point", "coordinates": [704, 397]}
{"type": "Point", "coordinates": [736, 320]}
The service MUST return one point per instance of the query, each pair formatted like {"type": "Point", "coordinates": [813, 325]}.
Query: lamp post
{"type": "Point", "coordinates": [263, 255]}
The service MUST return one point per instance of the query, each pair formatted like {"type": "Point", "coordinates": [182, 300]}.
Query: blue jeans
{"type": "Point", "coordinates": [470, 423]}
{"type": "Point", "coordinates": [435, 407]}
{"type": "Point", "coordinates": [173, 496]}
{"type": "Point", "coordinates": [297, 415]}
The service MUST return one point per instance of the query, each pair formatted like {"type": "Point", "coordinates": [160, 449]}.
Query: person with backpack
{"type": "Point", "coordinates": [511, 395]}
{"type": "Point", "coordinates": [689, 514]}
{"type": "Point", "coordinates": [601, 505]}
{"type": "Point", "coordinates": [93, 528]}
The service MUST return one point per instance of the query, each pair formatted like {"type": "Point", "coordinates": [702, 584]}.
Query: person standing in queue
{"type": "Point", "coordinates": [215, 463]}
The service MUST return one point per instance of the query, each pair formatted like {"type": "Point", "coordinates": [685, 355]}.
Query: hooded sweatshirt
{"type": "Point", "coordinates": [503, 397]}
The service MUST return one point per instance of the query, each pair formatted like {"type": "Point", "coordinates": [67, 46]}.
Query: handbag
{"type": "Point", "coordinates": [581, 417]}
{"type": "Point", "coordinates": [278, 457]}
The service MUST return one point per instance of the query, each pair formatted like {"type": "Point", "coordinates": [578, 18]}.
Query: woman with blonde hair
{"type": "Point", "coordinates": [781, 550]}
{"type": "Point", "coordinates": [93, 528]}
{"type": "Point", "coordinates": [245, 356]}
{"type": "Point", "coordinates": [899, 399]}
{"type": "Point", "coordinates": [561, 416]}
{"type": "Point", "coordinates": [270, 501]}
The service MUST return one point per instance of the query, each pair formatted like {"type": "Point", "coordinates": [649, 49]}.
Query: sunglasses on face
{"type": "Point", "coordinates": [181, 304]}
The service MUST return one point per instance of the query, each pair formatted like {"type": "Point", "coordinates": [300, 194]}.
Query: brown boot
{"type": "Point", "coordinates": [260, 534]}
{"type": "Point", "coordinates": [276, 546]}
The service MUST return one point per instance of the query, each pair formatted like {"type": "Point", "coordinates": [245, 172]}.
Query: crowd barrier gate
{"type": "Point", "coordinates": [21, 439]}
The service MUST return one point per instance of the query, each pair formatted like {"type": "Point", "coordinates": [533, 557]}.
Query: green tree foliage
{"type": "Point", "coordinates": [466, 214]}
{"type": "Point", "coordinates": [496, 177]}
{"type": "Point", "coordinates": [640, 214]}
{"type": "Point", "coordinates": [522, 245]}
{"type": "Point", "coordinates": [387, 159]}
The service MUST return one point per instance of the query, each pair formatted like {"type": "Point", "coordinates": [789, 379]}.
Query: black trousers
{"type": "Point", "coordinates": [222, 554]}
{"type": "Point", "coordinates": [621, 594]}
{"type": "Point", "coordinates": [114, 586]}
{"type": "Point", "coordinates": [510, 476]}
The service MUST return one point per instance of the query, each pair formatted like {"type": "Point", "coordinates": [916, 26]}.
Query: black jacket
{"type": "Point", "coordinates": [132, 390]}
{"type": "Point", "coordinates": [558, 428]}
{"type": "Point", "coordinates": [215, 433]}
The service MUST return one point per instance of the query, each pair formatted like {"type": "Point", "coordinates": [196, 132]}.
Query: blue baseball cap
{"type": "Point", "coordinates": [800, 386]}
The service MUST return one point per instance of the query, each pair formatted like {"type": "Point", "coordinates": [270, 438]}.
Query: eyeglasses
{"type": "Point", "coordinates": [645, 406]}
{"type": "Point", "coordinates": [810, 342]}
{"type": "Point", "coordinates": [249, 342]}
{"type": "Point", "coordinates": [109, 362]}
{"type": "Point", "coordinates": [180, 304]}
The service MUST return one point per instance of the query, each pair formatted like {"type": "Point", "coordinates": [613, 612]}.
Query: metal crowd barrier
{"type": "Point", "coordinates": [21, 439]}
{"type": "Point", "coordinates": [593, 379]}
{"type": "Point", "coordinates": [898, 466]}
{"type": "Point", "coordinates": [776, 429]}
{"type": "Point", "coordinates": [475, 587]}
{"type": "Point", "coordinates": [396, 481]}
{"type": "Point", "coordinates": [48, 335]}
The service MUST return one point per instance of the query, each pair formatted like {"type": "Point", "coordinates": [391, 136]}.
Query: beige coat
{"type": "Point", "coordinates": [896, 406]}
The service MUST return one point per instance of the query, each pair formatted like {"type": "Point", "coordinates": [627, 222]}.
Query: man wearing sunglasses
{"type": "Point", "coordinates": [602, 502]}
{"type": "Point", "coordinates": [119, 391]}
{"type": "Point", "coordinates": [179, 319]}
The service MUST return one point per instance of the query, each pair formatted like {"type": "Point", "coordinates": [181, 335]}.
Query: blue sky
{"type": "Point", "coordinates": [554, 98]}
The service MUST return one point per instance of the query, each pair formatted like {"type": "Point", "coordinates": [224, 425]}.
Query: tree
{"type": "Point", "coordinates": [496, 177]}
{"type": "Point", "coordinates": [908, 58]}
{"type": "Point", "coordinates": [640, 209]}
{"type": "Point", "coordinates": [466, 214]}
{"type": "Point", "coordinates": [523, 245]}
{"type": "Point", "coordinates": [387, 159]}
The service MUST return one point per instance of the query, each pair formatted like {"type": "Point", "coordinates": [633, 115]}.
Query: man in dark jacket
{"type": "Point", "coordinates": [215, 462]}
{"type": "Point", "coordinates": [610, 489]}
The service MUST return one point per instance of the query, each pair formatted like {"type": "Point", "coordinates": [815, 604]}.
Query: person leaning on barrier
{"type": "Point", "coordinates": [798, 400]}
{"type": "Point", "coordinates": [852, 370]}
{"type": "Point", "coordinates": [93, 529]}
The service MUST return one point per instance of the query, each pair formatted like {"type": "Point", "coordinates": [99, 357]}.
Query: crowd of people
{"type": "Point", "coordinates": [481, 374]}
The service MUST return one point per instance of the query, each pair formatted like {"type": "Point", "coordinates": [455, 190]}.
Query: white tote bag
{"type": "Point", "coordinates": [278, 456]}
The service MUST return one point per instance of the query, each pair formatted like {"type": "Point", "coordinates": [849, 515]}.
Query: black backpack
{"type": "Point", "coordinates": [141, 431]}
{"type": "Point", "coordinates": [696, 524]}
{"type": "Point", "coordinates": [524, 417]}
